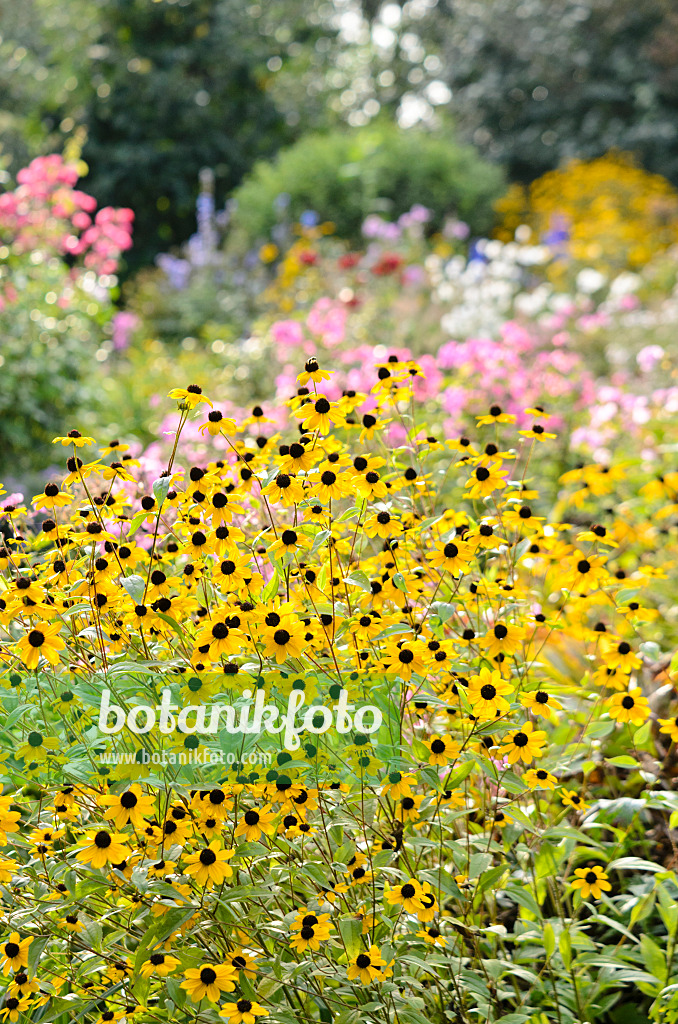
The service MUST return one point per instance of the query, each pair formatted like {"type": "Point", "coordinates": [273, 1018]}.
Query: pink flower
{"type": "Point", "coordinates": [287, 333]}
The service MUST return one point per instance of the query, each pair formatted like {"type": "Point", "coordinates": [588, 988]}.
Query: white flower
{"type": "Point", "coordinates": [590, 280]}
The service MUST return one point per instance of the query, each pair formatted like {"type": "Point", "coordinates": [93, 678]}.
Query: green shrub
{"type": "Point", "coordinates": [344, 176]}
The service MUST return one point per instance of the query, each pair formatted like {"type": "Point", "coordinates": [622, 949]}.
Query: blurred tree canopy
{"type": "Point", "coordinates": [158, 88]}
{"type": "Point", "coordinates": [530, 82]}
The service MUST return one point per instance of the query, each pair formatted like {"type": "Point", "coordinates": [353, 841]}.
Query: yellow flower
{"type": "Point", "coordinates": [504, 638]}
{"type": "Point", "coordinates": [572, 799]}
{"type": "Point", "coordinates": [523, 744]}
{"type": "Point", "coordinates": [629, 707]}
{"type": "Point", "coordinates": [14, 953]}
{"type": "Point", "coordinates": [245, 1011]}
{"type": "Point", "coordinates": [538, 778]}
{"type": "Point", "coordinates": [74, 437]}
{"type": "Point", "coordinates": [669, 727]}
{"type": "Point", "coordinates": [208, 866]}
{"type": "Point", "coordinates": [132, 806]}
{"type": "Point", "coordinates": [42, 640]}
{"type": "Point", "coordinates": [487, 694]}
{"type": "Point", "coordinates": [319, 414]}
{"type": "Point", "coordinates": [209, 981]}
{"type": "Point", "coordinates": [443, 749]}
{"type": "Point", "coordinates": [255, 822]}
{"type": "Point", "coordinates": [160, 965]}
{"type": "Point", "coordinates": [540, 702]}
{"type": "Point", "coordinates": [408, 895]}
{"type": "Point", "coordinates": [189, 397]}
{"type": "Point", "coordinates": [591, 882]}
{"type": "Point", "coordinates": [366, 966]}
{"type": "Point", "coordinates": [495, 415]}
{"type": "Point", "coordinates": [312, 372]}
{"type": "Point", "coordinates": [102, 847]}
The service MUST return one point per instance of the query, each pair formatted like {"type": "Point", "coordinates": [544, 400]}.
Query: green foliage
{"type": "Point", "coordinates": [186, 91]}
{"type": "Point", "coordinates": [48, 355]}
{"type": "Point", "coordinates": [535, 84]}
{"type": "Point", "coordinates": [344, 176]}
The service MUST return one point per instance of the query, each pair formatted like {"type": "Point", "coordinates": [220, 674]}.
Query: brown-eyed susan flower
{"type": "Point", "coordinates": [243, 961]}
{"type": "Point", "coordinates": [285, 488]}
{"type": "Point", "coordinates": [209, 866]}
{"type": "Point", "coordinates": [38, 748]}
{"type": "Point", "coordinates": [454, 556]}
{"type": "Point", "coordinates": [397, 785]}
{"type": "Point", "coordinates": [366, 966]}
{"type": "Point", "coordinates": [443, 749]}
{"type": "Point", "coordinates": [486, 479]}
{"type": "Point", "coordinates": [256, 822]}
{"type": "Point", "coordinates": [369, 485]}
{"type": "Point", "coordinates": [403, 657]}
{"type": "Point", "coordinates": [319, 414]}
{"type": "Point", "coordinates": [382, 524]}
{"type": "Point", "coordinates": [14, 1008]}
{"type": "Point", "coordinates": [487, 694]}
{"type": "Point", "coordinates": [503, 638]}
{"type": "Point", "coordinates": [430, 906]}
{"type": "Point", "coordinates": [217, 423]}
{"type": "Point", "coordinates": [539, 778]}
{"type": "Point", "coordinates": [629, 707]}
{"type": "Point", "coordinates": [571, 798]}
{"type": "Point", "coordinates": [432, 936]}
{"type": "Point", "coordinates": [523, 744]}
{"type": "Point", "coordinates": [9, 819]}
{"type": "Point", "coordinates": [495, 414]}
{"type": "Point", "coordinates": [189, 397]}
{"type": "Point", "coordinates": [618, 654]}
{"type": "Point", "coordinates": [209, 981]}
{"type": "Point", "coordinates": [71, 923]}
{"type": "Point", "coordinates": [21, 985]}
{"type": "Point", "coordinates": [101, 847]}
{"type": "Point", "coordinates": [74, 437]}
{"type": "Point", "coordinates": [132, 806]}
{"type": "Point", "coordinates": [585, 572]}
{"type": "Point", "coordinates": [309, 930]}
{"type": "Point", "coordinates": [159, 965]}
{"type": "Point", "coordinates": [407, 895]}
{"type": "Point", "coordinates": [668, 726]}
{"type": "Point", "coordinates": [14, 953]}
{"type": "Point", "coordinates": [219, 637]}
{"type": "Point", "coordinates": [244, 1011]}
{"type": "Point", "coordinates": [42, 640]}
{"type": "Point", "coordinates": [312, 372]}
{"type": "Point", "coordinates": [537, 432]}
{"type": "Point", "coordinates": [287, 640]}
{"type": "Point", "coordinates": [540, 702]}
{"type": "Point", "coordinates": [591, 882]}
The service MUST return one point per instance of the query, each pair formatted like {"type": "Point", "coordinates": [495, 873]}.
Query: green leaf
{"type": "Point", "coordinates": [351, 932]}
{"type": "Point", "coordinates": [459, 774]}
{"type": "Point", "coordinates": [654, 957]}
{"type": "Point", "coordinates": [271, 587]}
{"type": "Point", "coordinates": [161, 488]}
{"type": "Point", "coordinates": [398, 581]}
{"type": "Point", "coordinates": [549, 939]}
{"type": "Point", "coordinates": [135, 587]}
{"type": "Point", "coordinates": [358, 579]}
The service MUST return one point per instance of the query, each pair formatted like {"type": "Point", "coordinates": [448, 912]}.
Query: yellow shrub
{"type": "Point", "coordinates": [618, 216]}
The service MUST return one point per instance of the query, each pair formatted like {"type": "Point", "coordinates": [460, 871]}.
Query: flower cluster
{"type": "Point", "coordinates": [607, 213]}
{"type": "Point", "coordinates": [443, 864]}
